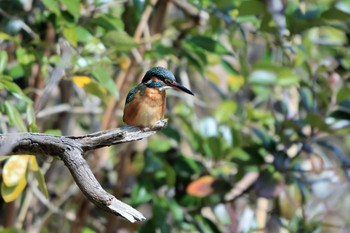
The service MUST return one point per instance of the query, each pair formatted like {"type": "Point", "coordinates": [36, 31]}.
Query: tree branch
{"type": "Point", "coordinates": [71, 150]}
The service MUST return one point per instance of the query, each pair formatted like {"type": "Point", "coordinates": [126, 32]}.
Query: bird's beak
{"type": "Point", "coordinates": [179, 87]}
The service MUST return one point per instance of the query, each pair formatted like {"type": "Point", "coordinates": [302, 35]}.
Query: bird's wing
{"type": "Point", "coordinates": [133, 92]}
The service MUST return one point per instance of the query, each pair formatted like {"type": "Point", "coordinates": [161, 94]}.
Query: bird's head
{"type": "Point", "coordinates": [161, 78]}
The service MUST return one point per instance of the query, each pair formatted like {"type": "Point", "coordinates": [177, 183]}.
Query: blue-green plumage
{"type": "Point", "coordinates": [158, 72]}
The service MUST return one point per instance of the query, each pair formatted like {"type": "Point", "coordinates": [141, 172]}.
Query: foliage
{"type": "Point", "coordinates": [264, 144]}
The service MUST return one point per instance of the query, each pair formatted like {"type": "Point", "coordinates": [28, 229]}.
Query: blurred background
{"type": "Point", "coordinates": [263, 146]}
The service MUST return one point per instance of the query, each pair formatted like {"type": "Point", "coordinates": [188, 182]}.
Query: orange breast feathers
{"type": "Point", "coordinates": [146, 109]}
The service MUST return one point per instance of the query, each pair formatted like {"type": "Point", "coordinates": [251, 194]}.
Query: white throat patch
{"type": "Point", "coordinates": [164, 88]}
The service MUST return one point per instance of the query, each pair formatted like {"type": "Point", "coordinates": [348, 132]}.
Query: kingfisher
{"type": "Point", "coordinates": [145, 103]}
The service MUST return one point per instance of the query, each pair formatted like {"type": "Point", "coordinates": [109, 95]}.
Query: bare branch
{"type": "Point", "coordinates": [71, 150]}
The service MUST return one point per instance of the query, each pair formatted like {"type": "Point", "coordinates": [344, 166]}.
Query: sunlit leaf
{"type": "Point", "coordinates": [5, 36]}
{"type": "Point", "coordinates": [70, 34]}
{"type": "Point", "coordinates": [15, 169]}
{"type": "Point", "coordinates": [81, 81]}
{"type": "Point", "coordinates": [88, 230]}
{"type": "Point", "coordinates": [235, 82]}
{"type": "Point", "coordinates": [201, 187]}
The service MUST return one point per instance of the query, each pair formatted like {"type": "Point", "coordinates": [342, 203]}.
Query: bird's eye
{"type": "Point", "coordinates": [168, 81]}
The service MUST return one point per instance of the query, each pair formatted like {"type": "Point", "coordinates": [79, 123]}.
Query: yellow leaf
{"type": "Point", "coordinates": [15, 169]}
{"type": "Point", "coordinates": [33, 164]}
{"type": "Point", "coordinates": [123, 62]}
{"type": "Point", "coordinates": [10, 193]}
{"type": "Point", "coordinates": [81, 81]}
{"type": "Point", "coordinates": [235, 82]}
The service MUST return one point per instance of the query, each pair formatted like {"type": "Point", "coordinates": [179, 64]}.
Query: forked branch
{"type": "Point", "coordinates": [71, 150]}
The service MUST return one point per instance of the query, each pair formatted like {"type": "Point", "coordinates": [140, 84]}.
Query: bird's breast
{"type": "Point", "coordinates": [146, 108]}
{"type": "Point", "coordinates": [153, 96]}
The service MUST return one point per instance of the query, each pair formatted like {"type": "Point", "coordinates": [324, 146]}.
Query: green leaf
{"type": "Point", "coordinates": [140, 195]}
{"type": "Point", "coordinates": [225, 111]}
{"type": "Point", "coordinates": [342, 111]}
{"type": "Point", "coordinates": [95, 88]}
{"type": "Point", "coordinates": [159, 145]}
{"type": "Point", "coordinates": [215, 147]}
{"type": "Point", "coordinates": [24, 57]}
{"type": "Point", "coordinates": [5, 36]}
{"type": "Point", "coordinates": [16, 71]}
{"type": "Point", "coordinates": [3, 61]}
{"type": "Point", "coordinates": [119, 40]}
{"type": "Point", "coordinates": [70, 34]}
{"type": "Point", "coordinates": [88, 230]}
{"type": "Point", "coordinates": [105, 80]}
{"type": "Point", "coordinates": [171, 133]}
{"type": "Point", "coordinates": [52, 6]}
{"type": "Point", "coordinates": [73, 7]}
{"type": "Point", "coordinates": [335, 14]}
{"type": "Point", "coordinates": [82, 34]}
{"type": "Point", "coordinates": [15, 117]}
{"type": "Point", "coordinates": [209, 45]}
{"type": "Point", "coordinates": [39, 176]}
{"type": "Point", "coordinates": [108, 22]}
{"type": "Point", "coordinates": [317, 121]}
{"type": "Point", "coordinates": [15, 90]}
{"type": "Point", "coordinates": [176, 210]}
{"type": "Point", "coordinates": [251, 7]}
{"type": "Point", "coordinates": [31, 118]}
{"type": "Point", "coordinates": [269, 74]}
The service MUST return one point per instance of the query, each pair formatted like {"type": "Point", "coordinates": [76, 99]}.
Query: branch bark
{"type": "Point", "coordinates": [71, 150]}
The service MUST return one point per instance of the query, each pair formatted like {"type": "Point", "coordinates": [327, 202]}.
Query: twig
{"type": "Point", "coordinates": [71, 150]}
{"type": "Point", "coordinates": [57, 74]}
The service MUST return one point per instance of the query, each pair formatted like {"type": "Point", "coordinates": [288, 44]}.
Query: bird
{"type": "Point", "coordinates": [145, 103]}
